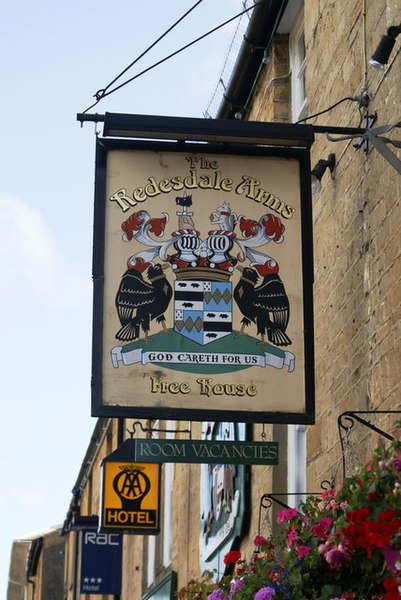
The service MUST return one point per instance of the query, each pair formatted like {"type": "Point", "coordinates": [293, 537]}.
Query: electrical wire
{"type": "Point", "coordinates": [103, 93]}
{"type": "Point", "coordinates": [322, 112]}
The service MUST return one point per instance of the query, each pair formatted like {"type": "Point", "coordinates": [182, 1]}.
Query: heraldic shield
{"type": "Point", "coordinates": [202, 309]}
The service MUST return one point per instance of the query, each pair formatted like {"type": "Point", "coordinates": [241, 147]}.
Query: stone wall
{"type": "Point", "coordinates": [356, 242]}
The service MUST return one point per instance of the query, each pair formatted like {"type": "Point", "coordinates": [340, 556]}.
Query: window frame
{"type": "Point", "coordinates": [299, 99]}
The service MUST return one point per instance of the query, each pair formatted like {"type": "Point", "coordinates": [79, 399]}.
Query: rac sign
{"type": "Point", "coordinates": [101, 539]}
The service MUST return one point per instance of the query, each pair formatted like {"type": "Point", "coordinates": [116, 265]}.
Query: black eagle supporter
{"type": "Point", "coordinates": [139, 302]}
{"type": "Point", "coordinates": [266, 305]}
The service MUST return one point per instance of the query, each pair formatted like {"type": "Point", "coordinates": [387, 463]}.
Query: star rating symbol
{"type": "Point", "coordinates": [93, 579]}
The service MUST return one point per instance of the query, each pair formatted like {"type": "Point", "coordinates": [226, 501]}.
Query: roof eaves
{"type": "Point", "coordinates": [255, 45]}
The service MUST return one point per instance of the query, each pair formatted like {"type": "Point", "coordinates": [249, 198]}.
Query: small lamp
{"type": "Point", "coordinates": [383, 50]}
{"type": "Point", "coordinates": [319, 170]}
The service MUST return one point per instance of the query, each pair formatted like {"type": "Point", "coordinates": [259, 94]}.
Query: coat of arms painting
{"type": "Point", "coordinates": [203, 300]}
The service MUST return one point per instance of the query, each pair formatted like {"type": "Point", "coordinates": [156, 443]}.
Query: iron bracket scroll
{"type": "Point", "coordinates": [267, 500]}
{"type": "Point", "coordinates": [151, 430]}
{"type": "Point", "coordinates": [346, 422]}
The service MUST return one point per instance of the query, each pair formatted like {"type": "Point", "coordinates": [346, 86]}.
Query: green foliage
{"type": "Point", "coordinates": [343, 546]}
{"type": "Point", "coordinates": [199, 590]}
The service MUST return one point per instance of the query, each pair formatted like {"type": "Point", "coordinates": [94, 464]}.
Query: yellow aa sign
{"type": "Point", "coordinates": [130, 497]}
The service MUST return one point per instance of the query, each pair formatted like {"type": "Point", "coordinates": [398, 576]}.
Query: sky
{"type": "Point", "coordinates": [54, 57]}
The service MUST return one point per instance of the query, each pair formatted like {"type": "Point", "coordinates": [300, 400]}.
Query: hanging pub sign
{"type": "Point", "coordinates": [203, 274]}
{"type": "Point", "coordinates": [130, 495]}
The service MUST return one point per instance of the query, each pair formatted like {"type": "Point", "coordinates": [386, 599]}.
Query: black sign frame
{"type": "Point", "coordinates": [259, 142]}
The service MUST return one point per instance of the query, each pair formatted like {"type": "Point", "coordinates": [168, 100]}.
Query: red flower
{"type": "Point", "coordinates": [327, 494]}
{"type": "Point", "coordinates": [370, 535]}
{"type": "Point", "coordinates": [391, 587]}
{"type": "Point", "coordinates": [232, 557]}
{"type": "Point", "coordinates": [359, 515]}
{"type": "Point", "coordinates": [386, 515]}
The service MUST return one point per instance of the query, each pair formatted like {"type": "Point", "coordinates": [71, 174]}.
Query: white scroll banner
{"type": "Point", "coordinates": [268, 359]}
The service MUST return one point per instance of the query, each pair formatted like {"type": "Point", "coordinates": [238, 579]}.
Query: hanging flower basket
{"type": "Point", "coordinates": [345, 546]}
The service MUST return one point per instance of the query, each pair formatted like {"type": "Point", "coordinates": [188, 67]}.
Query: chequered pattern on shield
{"type": "Point", "coordinates": [203, 310]}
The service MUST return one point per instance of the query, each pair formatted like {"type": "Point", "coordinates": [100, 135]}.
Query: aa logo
{"type": "Point", "coordinates": [131, 486]}
{"type": "Point", "coordinates": [130, 497]}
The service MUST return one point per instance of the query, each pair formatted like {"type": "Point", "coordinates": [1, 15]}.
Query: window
{"type": "Point", "coordinates": [298, 66]}
{"type": "Point", "coordinates": [296, 460]}
{"type": "Point", "coordinates": [296, 449]}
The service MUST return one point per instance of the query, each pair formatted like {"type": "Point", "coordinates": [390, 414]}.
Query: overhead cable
{"type": "Point", "coordinates": [100, 94]}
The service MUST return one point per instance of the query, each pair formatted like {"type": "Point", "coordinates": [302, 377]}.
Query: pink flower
{"type": "Point", "coordinates": [286, 515]}
{"type": "Point", "coordinates": [391, 557]}
{"type": "Point", "coordinates": [322, 528]}
{"type": "Point", "coordinates": [259, 540]}
{"type": "Point", "coordinates": [302, 551]}
{"type": "Point", "coordinates": [291, 536]}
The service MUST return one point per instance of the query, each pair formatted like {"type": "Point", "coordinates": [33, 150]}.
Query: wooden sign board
{"type": "Point", "coordinates": [203, 282]}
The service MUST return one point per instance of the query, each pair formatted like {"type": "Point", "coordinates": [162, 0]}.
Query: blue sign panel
{"type": "Point", "coordinates": [101, 562]}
